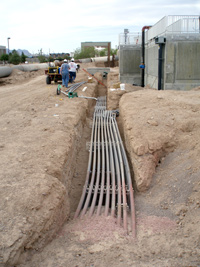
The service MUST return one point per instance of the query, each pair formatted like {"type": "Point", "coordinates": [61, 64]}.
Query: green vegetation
{"type": "Point", "coordinates": [88, 52]}
{"type": "Point", "coordinates": [23, 58]}
{"type": "Point", "coordinates": [64, 57]}
{"type": "Point", "coordinates": [104, 52]}
{"type": "Point", "coordinates": [4, 57]}
{"type": "Point", "coordinates": [42, 58]}
{"type": "Point", "coordinates": [14, 58]}
{"type": "Point", "coordinates": [50, 59]}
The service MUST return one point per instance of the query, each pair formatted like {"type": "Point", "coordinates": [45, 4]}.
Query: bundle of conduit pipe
{"type": "Point", "coordinates": [108, 187]}
{"type": "Point", "coordinates": [74, 86]}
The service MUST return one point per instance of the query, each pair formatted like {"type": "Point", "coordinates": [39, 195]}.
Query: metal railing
{"type": "Point", "coordinates": [184, 25]}
{"type": "Point", "coordinates": [174, 24]}
{"type": "Point", "coordinates": [130, 39]}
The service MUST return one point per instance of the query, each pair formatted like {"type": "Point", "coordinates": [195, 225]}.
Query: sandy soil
{"type": "Point", "coordinates": [44, 161]}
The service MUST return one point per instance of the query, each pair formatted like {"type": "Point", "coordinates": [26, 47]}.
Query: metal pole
{"type": "Point", "coordinates": [143, 56]}
{"type": "Point", "coordinates": [160, 66]}
{"type": "Point", "coordinates": [8, 45]}
{"type": "Point", "coordinates": [109, 54]}
{"type": "Point", "coordinates": [143, 53]}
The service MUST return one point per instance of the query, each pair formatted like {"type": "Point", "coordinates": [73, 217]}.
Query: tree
{"type": "Point", "coordinates": [14, 57]}
{"type": "Point", "coordinates": [113, 51]}
{"type": "Point", "coordinates": [85, 52]}
{"type": "Point", "coordinates": [23, 58]}
{"type": "Point", "coordinates": [103, 53]}
{"type": "Point", "coordinates": [88, 52]}
{"type": "Point", "coordinates": [4, 57]}
{"type": "Point", "coordinates": [77, 53]}
{"type": "Point", "coordinates": [51, 59]}
{"type": "Point", "coordinates": [41, 57]}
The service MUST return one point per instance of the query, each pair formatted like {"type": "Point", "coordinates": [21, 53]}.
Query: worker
{"type": "Point", "coordinates": [64, 71]}
{"type": "Point", "coordinates": [77, 67]}
{"type": "Point", "coordinates": [72, 71]}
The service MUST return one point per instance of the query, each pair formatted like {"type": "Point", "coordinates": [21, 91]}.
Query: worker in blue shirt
{"type": "Point", "coordinates": [64, 71]}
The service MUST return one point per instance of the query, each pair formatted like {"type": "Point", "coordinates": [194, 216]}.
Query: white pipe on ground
{"type": "Point", "coordinates": [5, 71]}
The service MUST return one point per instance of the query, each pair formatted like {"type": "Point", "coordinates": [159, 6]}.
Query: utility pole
{"type": "Point", "coordinates": [8, 45]}
{"type": "Point", "coordinates": [109, 54]}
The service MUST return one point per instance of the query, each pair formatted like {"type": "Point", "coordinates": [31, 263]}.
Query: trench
{"type": "Point", "coordinates": [112, 187]}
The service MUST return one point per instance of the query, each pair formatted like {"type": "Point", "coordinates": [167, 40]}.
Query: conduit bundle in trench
{"type": "Point", "coordinates": [108, 186]}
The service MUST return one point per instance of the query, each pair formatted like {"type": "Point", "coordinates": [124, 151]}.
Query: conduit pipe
{"type": "Point", "coordinates": [108, 188]}
{"type": "Point", "coordinates": [143, 53]}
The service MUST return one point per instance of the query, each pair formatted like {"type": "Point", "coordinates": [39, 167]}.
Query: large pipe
{"type": "Point", "coordinates": [103, 59]}
{"type": "Point", "coordinates": [85, 60]}
{"type": "Point", "coordinates": [5, 71]}
{"type": "Point", "coordinates": [31, 67]}
{"type": "Point", "coordinates": [143, 53]}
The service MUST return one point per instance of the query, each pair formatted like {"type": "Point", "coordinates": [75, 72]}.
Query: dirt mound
{"type": "Point", "coordinates": [17, 76]}
{"type": "Point", "coordinates": [40, 135]}
{"type": "Point", "coordinates": [157, 123]}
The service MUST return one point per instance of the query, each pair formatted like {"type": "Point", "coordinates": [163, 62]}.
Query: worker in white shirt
{"type": "Point", "coordinates": [72, 70]}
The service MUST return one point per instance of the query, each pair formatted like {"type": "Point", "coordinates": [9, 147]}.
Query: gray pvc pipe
{"type": "Point", "coordinates": [31, 67]}
{"type": "Point", "coordinates": [5, 71]}
{"type": "Point", "coordinates": [103, 59]}
{"type": "Point", "coordinates": [85, 60]}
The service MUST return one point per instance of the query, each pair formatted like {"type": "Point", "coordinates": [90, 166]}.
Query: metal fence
{"type": "Point", "coordinates": [174, 24]}
{"type": "Point", "coordinates": [130, 39]}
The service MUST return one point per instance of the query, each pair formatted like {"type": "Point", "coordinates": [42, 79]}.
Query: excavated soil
{"type": "Point", "coordinates": [43, 145]}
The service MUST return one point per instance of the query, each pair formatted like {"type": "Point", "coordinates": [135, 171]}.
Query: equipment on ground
{"type": "Point", "coordinates": [94, 77]}
{"type": "Point", "coordinates": [60, 91]}
{"type": "Point", "coordinates": [71, 93]}
{"type": "Point", "coordinates": [53, 74]}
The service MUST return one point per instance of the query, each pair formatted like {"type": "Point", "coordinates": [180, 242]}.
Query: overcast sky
{"type": "Point", "coordinates": [61, 25]}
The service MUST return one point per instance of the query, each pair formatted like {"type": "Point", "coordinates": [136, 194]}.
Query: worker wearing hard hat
{"type": "Point", "coordinates": [64, 71]}
{"type": "Point", "coordinates": [72, 70]}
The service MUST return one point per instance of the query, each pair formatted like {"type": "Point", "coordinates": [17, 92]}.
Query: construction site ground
{"type": "Point", "coordinates": [44, 156]}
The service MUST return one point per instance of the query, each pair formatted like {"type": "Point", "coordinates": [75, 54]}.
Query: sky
{"type": "Point", "coordinates": [57, 26]}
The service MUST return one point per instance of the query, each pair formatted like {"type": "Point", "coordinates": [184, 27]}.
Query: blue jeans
{"type": "Point", "coordinates": [65, 79]}
{"type": "Point", "coordinates": [72, 76]}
